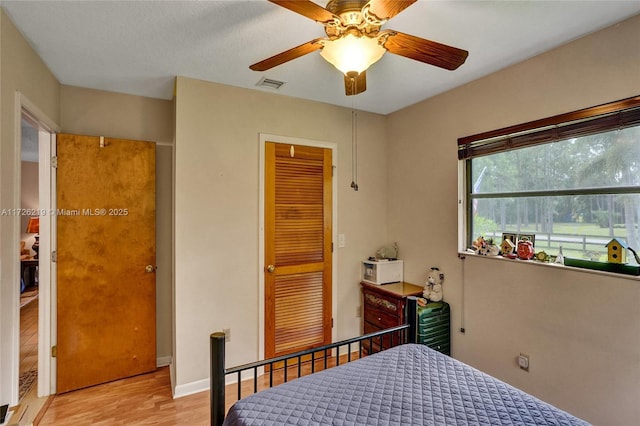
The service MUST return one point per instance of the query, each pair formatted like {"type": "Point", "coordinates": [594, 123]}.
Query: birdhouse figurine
{"type": "Point", "coordinates": [617, 251]}
{"type": "Point", "coordinates": [507, 247]}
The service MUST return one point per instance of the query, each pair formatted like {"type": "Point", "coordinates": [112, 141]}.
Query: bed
{"type": "Point", "coordinates": [409, 384]}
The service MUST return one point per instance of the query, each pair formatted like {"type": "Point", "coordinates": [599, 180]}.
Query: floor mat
{"type": "Point", "coordinates": [26, 382]}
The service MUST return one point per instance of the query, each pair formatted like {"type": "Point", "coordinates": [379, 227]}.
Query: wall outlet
{"type": "Point", "coordinates": [358, 311]}
{"type": "Point", "coordinates": [523, 362]}
{"type": "Point", "coordinates": [227, 334]}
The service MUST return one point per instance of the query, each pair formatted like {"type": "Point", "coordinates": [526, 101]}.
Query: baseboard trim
{"type": "Point", "coordinates": [191, 388]}
{"type": "Point", "coordinates": [203, 385]}
{"type": "Point", "coordinates": [163, 361]}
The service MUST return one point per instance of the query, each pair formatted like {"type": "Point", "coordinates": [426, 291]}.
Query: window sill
{"type": "Point", "coordinates": [537, 263]}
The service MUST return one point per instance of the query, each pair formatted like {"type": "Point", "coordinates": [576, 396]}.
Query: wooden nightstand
{"type": "Point", "coordinates": [384, 306]}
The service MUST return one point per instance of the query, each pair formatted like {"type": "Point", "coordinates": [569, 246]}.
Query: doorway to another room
{"type": "Point", "coordinates": [34, 279]}
{"type": "Point", "coordinates": [29, 263]}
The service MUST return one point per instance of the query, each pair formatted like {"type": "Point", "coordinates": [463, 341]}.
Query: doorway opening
{"type": "Point", "coordinates": [34, 146]}
{"type": "Point", "coordinates": [29, 263]}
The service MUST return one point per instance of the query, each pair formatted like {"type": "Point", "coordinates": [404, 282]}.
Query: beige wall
{"type": "Point", "coordinates": [21, 70]}
{"type": "Point", "coordinates": [99, 113]}
{"type": "Point", "coordinates": [217, 212]}
{"type": "Point", "coordinates": [581, 330]}
{"type": "Point", "coordinates": [116, 115]}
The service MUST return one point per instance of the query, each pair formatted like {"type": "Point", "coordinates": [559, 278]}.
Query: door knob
{"type": "Point", "coordinates": [149, 269]}
{"type": "Point", "coordinates": [271, 268]}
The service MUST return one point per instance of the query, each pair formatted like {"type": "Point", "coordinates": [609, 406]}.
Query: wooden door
{"type": "Point", "coordinates": [106, 260]}
{"type": "Point", "coordinates": [298, 229]}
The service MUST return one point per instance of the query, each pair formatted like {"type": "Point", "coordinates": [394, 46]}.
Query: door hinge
{"type": "Point", "coordinates": [54, 351]}
{"type": "Point", "coordinates": [54, 162]}
{"type": "Point", "coordinates": [331, 247]}
{"type": "Point", "coordinates": [54, 256]}
{"type": "Point", "coordinates": [331, 322]}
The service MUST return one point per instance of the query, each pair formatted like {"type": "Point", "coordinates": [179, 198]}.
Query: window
{"type": "Point", "coordinates": [572, 180]}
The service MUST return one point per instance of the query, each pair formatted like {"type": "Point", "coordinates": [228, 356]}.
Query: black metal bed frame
{"type": "Point", "coordinates": [218, 371]}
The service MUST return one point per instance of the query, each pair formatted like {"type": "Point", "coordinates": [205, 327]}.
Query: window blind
{"type": "Point", "coordinates": [618, 114]}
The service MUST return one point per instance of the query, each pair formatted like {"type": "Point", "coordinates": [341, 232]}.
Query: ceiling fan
{"type": "Point", "coordinates": [355, 39]}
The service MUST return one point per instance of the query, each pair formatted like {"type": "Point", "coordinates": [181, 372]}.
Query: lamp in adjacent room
{"type": "Point", "coordinates": [33, 227]}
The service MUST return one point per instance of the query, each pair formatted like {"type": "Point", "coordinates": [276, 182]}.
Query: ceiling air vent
{"type": "Point", "coordinates": [269, 83]}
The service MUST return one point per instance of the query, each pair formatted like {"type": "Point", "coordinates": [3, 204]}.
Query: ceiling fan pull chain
{"type": "Point", "coordinates": [354, 135]}
{"type": "Point", "coordinates": [354, 148]}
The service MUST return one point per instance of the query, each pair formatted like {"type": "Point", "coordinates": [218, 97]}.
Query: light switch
{"type": "Point", "coordinates": [523, 362]}
{"type": "Point", "coordinates": [341, 240]}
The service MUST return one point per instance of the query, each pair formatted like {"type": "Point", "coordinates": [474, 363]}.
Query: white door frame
{"type": "Point", "coordinates": [46, 271]}
{"type": "Point", "coordinates": [264, 138]}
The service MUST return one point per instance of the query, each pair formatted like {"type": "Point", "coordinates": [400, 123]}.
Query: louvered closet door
{"type": "Point", "coordinates": [297, 247]}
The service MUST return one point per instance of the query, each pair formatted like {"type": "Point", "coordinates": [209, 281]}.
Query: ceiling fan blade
{"type": "Point", "coordinates": [288, 55]}
{"type": "Point", "coordinates": [354, 84]}
{"type": "Point", "coordinates": [307, 8]}
{"type": "Point", "coordinates": [387, 9]}
{"type": "Point", "coordinates": [427, 51]}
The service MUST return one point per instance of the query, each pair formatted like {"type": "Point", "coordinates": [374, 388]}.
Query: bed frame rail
{"type": "Point", "coordinates": [218, 371]}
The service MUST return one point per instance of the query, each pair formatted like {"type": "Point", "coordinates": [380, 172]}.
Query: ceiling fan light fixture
{"type": "Point", "coordinates": [352, 53]}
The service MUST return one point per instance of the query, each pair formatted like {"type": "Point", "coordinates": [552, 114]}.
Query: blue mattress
{"type": "Point", "coordinates": [406, 385]}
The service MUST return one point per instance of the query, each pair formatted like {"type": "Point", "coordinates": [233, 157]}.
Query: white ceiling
{"type": "Point", "coordinates": [138, 47]}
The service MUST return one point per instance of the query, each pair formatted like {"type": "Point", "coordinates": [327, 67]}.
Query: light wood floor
{"type": "Point", "coordinates": [29, 404]}
{"type": "Point", "coordinates": [29, 336]}
{"type": "Point", "coordinates": [146, 400]}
